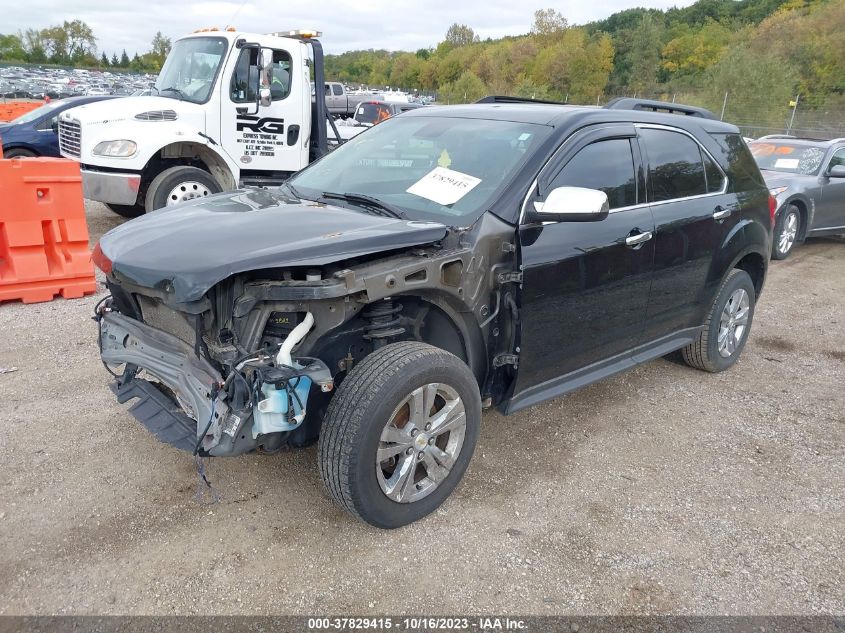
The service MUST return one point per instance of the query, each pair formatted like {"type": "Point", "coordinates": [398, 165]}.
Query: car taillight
{"type": "Point", "coordinates": [773, 206]}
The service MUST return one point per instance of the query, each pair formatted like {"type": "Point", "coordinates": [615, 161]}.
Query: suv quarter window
{"type": "Point", "coordinates": [715, 176]}
{"type": "Point", "coordinates": [675, 166]}
{"type": "Point", "coordinates": [606, 165]}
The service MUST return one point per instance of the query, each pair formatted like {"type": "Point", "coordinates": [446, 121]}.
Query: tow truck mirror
{"type": "Point", "coordinates": [572, 204]}
{"type": "Point", "coordinates": [265, 65]}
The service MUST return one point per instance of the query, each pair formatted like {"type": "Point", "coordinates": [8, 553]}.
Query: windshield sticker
{"type": "Point", "coordinates": [386, 162]}
{"type": "Point", "coordinates": [444, 186]}
{"type": "Point", "coordinates": [445, 160]}
{"type": "Point", "coordinates": [787, 163]}
{"type": "Point", "coordinates": [811, 160]}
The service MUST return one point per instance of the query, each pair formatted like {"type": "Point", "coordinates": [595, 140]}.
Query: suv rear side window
{"type": "Point", "coordinates": [743, 170]}
{"type": "Point", "coordinates": [675, 166]}
{"type": "Point", "coordinates": [604, 165]}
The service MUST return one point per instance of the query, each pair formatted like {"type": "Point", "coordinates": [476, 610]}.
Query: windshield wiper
{"type": "Point", "coordinates": [369, 202]}
{"type": "Point", "coordinates": [182, 95]}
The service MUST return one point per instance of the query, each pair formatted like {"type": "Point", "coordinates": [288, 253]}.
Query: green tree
{"type": "Point", "coordinates": [115, 62]}
{"type": "Point", "coordinates": [548, 23]}
{"type": "Point", "coordinates": [80, 38]}
{"type": "Point", "coordinates": [466, 89]}
{"type": "Point", "coordinates": [758, 84]}
{"type": "Point", "coordinates": [460, 35]}
{"type": "Point", "coordinates": [124, 59]}
{"type": "Point", "coordinates": [104, 60]}
{"type": "Point", "coordinates": [11, 48]}
{"type": "Point", "coordinates": [644, 56]}
{"type": "Point", "coordinates": [696, 50]}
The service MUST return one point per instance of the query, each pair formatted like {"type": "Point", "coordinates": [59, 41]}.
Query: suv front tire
{"type": "Point", "coordinates": [399, 433]}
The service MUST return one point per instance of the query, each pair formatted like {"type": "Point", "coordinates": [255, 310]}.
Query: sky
{"type": "Point", "coordinates": [346, 24]}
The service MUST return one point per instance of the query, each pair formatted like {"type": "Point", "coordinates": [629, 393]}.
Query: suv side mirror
{"type": "Point", "coordinates": [265, 67]}
{"type": "Point", "coordinates": [837, 171]}
{"type": "Point", "coordinates": [573, 204]}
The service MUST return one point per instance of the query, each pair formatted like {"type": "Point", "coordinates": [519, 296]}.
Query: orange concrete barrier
{"type": "Point", "coordinates": [43, 233]}
{"type": "Point", "coordinates": [13, 109]}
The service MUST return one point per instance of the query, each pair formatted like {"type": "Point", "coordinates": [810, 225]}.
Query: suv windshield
{"type": "Point", "coordinates": [432, 168]}
{"type": "Point", "coordinates": [34, 114]}
{"type": "Point", "coordinates": [190, 68]}
{"type": "Point", "coordinates": [792, 158]}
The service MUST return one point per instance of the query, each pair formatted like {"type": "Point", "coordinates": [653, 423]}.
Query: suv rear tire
{"type": "Point", "coordinates": [380, 454]}
{"type": "Point", "coordinates": [179, 184]}
{"type": "Point", "coordinates": [728, 325]}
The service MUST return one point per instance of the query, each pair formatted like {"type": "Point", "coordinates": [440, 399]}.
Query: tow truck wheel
{"type": "Point", "coordinates": [127, 210]}
{"type": "Point", "coordinates": [179, 184]}
{"type": "Point", "coordinates": [399, 433]}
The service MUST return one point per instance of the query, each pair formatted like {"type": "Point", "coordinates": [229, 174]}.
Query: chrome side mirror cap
{"type": "Point", "coordinates": [573, 204]}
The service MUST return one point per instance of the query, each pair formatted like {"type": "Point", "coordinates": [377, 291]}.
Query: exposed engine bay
{"type": "Point", "coordinates": [252, 364]}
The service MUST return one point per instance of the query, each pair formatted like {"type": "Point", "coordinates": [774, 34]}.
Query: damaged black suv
{"type": "Point", "coordinates": [451, 259]}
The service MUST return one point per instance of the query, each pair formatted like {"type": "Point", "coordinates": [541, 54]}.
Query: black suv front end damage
{"type": "Point", "coordinates": [207, 374]}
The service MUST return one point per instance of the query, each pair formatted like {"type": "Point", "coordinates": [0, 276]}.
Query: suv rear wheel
{"type": "Point", "coordinates": [399, 433]}
{"type": "Point", "coordinates": [786, 232]}
{"type": "Point", "coordinates": [718, 347]}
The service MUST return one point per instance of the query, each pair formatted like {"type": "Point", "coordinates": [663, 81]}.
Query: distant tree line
{"type": "Point", "coordinates": [73, 43]}
{"type": "Point", "coordinates": [761, 53]}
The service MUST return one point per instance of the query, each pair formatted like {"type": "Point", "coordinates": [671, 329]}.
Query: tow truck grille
{"type": "Point", "coordinates": [70, 138]}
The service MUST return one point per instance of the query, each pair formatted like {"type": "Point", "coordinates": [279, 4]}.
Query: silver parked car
{"type": "Point", "coordinates": [807, 178]}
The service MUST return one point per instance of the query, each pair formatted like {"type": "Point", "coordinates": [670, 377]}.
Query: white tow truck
{"type": "Point", "coordinates": [229, 109]}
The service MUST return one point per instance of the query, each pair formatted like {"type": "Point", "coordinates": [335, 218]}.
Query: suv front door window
{"type": "Point", "coordinates": [585, 290]}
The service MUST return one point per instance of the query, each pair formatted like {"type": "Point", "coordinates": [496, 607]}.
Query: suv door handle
{"type": "Point", "coordinates": [720, 213]}
{"type": "Point", "coordinates": [639, 238]}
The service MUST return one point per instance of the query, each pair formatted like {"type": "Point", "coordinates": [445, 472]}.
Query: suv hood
{"type": "Point", "coordinates": [186, 250]}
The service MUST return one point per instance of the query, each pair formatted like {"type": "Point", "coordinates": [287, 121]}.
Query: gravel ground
{"type": "Point", "coordinates": [663, 490]}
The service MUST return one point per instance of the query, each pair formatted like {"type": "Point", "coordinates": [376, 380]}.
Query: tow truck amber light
{"type": "Point", "coordinates": [773, 206]}
{"type": "Point", "coordinates": [305, 34]}
{"type": "Point", "coordinates": [100, 260]}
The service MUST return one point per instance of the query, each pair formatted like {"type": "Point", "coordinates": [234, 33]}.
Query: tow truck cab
{"type": "Point", "coordinates": [229, 109]}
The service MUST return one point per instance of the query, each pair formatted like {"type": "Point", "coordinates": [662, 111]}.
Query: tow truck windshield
{"type": "Point", "coordinates": [190, 69]}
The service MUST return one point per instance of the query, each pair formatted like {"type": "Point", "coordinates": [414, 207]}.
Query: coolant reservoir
{"type": "Point", "coordinates": [271, 415]}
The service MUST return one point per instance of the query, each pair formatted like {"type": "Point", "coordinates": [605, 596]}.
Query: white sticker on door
{"type": "Point", "coordinates": [444, 186]}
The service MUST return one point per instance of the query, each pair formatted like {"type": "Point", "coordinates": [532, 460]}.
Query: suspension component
{"type": "Point", "coordinates": [384, 322]}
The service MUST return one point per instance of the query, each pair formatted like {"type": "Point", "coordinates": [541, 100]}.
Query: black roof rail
{"type": "Point", "coordinates": [631, 103]}
{"type": "Point", "coordinates": [506, 99]}
{"type": "Point", "coordinates": [801, 138]}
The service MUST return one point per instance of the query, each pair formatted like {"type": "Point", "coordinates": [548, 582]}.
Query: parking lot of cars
{"type": "Point", "coordinates": [659, 490]}
{"type": "Point", "coordinates": [35, 82]}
